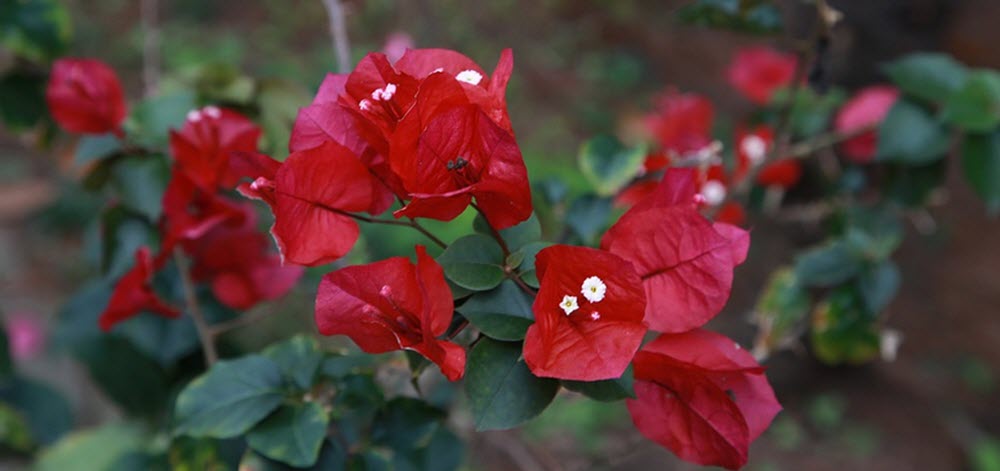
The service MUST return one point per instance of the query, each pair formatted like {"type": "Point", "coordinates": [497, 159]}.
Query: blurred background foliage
{"type": "Point", "coordinates": [582, 68]}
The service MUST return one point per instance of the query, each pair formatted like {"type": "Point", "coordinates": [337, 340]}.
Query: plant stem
{"type": "Point", "coordinates": [201, 325]}
{"type": "Point", "coordinates": [409, 222]}
{"type": "Point", "coordinates": [495, 233]}
{"type": "Point", "coordinates": [338, 34]}
{"type": "Point", "coordinates": [149, 14]}
{"type": "Point", "coordinates": [235, 323]}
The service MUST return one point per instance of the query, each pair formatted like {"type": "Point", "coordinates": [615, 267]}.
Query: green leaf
{"type": "Point", "coordinates": [748, 16]}
{"type": "Point", "coordinates": [97, 449]}
{"type": "Point", "coordinates": [443, 453]}
{"type": "Point", "coordinates": [405, 423]}
{"type": "Point", "coordinates": [230, 398]}
{"type": "Point", "coordinates": [872, 234]}
{"type": "Point", "coordinates": [298, 357]}
{"type": "Point", "coordinates": [153, 118]}
{"type": "Point", "coordinates": [165, 340]}
{"type": "Point", "coordinates": [931, 77]}
{"type": "Point", "coordinates": [23, 96]}
{"type": "Point", "coordinates": [503, 313]}
{"type": "Point", "coordinates": [812, 111]}
{"type": "Point", "coordinates": [46, 411]}
{"type": "Point", "coordinates": [782, 305]}
{"type": "Point", "coordinates": [985, 454]}
{"type": "Point", "coordinates": [6, 364]}
{"type": "Point", "coordinates": [843, 330]}
{"type": "Point", "coordinates": [878, 285]}
{"type": "Point", "coordinates": [338, 366]}
{"type": "Point", "coordinates": [93, 148]}
{"type": "Point", "coordinates": [527, 269]}
{"type": "Point", "coordinates": [15, 434]}
{"type": "Point", "coordinates": [128, 376]}
{"type": "Point", "coordinates": [909, 134]}
{"type": "Point", "coordinates": [474, 262]}
{"type": "Point", "coordinates": [588, 217]}
{"type": "Point", "coordinates": [123, 233]}
{"type": "Point", "coordinates": [141, 182]}
{"type": "Point", "coordinates": [37, 29]}
{"type": "Point", "coordinates": [826, 265]}
{"type": "Point", "coordinates": [976, 106]}
{"type": "Point", "coordinates": [608, 165]}
{"type": "Point", "coordinates": [516, 237]}
{"type": "Point", "coordinates": [502, 391]}
{"type": "Point", "coordinates": [981, 163]}
{"type": "Point", "coordinates": [608, 390]}
{"type": "Point", "coordinates": [292, 435]}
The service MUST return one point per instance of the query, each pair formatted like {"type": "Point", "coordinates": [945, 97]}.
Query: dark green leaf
{"type": "Point", "coordinates": [878, 285]}
{"type": "Point", "coordinates": [154, 117]}
{"type": "Point", "coordinates": [588, 217]}
{"type": "Point", "coordinates": [22, 99]}
{"type": "Point", "coordinates": [338, 366]}
{"type": "Point", "coordinates": [92, 148]}
{"type": "Point", "coordinates": [166, 340]}
{"type": "Point", "coordinates": [502, 391]}
{"type": "Point", "coordinates": [128, 376]}
{"type": "Point", "coordinates": [782, 305]}
{"type": "Point", "coordinates": [405, 423]}
{"type": "Point", "coordinates": [503, 313]}
{"type": "Point", "coordinates": [909, 134]}
{"type": "Point", "coordinates": [843, 330]}
{"type": "Point", "coordinates": [38, 29]}
{"type": "Point", "coordinates": [292, 435]}
{"type": "Point", "coordinates": [527, 269]}
{"type": "Point", "coordinates": [826, 265]}
{"type": "Point", "coordinates": [46, 411]}
{"type": "Point", "coordinates": [931, 77]}
{"type": "Point", "coordinates": [609, 390]}
{"type": "Point", "coordinates": [976, 106]}
{"type": "Point", "coordinates": [15, 435]}
{"type": "Point", "coordinates": [141, 182]}
{"type": "Point", "coordinates": [230, 398]}
{"type": "Point", "coordinates": [608, 165]}
{"type": "Point", "coordinates": [474, 262]}
{"type": "Point", "coordinates": [739, 15]}
{"type": "Point", "coordinates": [981, 162]}
{"type": "Point", "coordinates": [6, 365]}
{"type": "Point", "coordinates": [443, 453]}
{"type": "Point", "coordinates": [812, 111]}
{"type": "Point", "coordinates": [298, 357]}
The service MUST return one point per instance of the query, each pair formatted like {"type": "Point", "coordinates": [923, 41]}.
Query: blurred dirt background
{"type": "Point", "coordinates": [581, 65]}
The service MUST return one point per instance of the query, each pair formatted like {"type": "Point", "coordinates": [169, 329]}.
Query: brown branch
{"type": "Point", "coordinates": [495, 233]}
{"type": "Point", "coordinates": [338, 34]}
{"type": "Point", "coordinates": [191, 300]}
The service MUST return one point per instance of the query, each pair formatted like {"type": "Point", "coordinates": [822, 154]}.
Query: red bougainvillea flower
{"type": "Point", "coordinates": [588, 315]}
{"type": "Point", "coordinates": [189, 212]}
{"type": "Point", "coordinates": [134, 294]}
{"type": "Point", "coordinates": [757, 72]}
{"type": "Point", "coordinates": [682, 122]}
{"type": "Point", "coordinates": [311, 195]}
{"type": "Point", "coordinates": [446, 152]}
{"type": "Point", "coordinates": [867, 108]}
{"type": "Point", "coordinates": [201, 148]}
{"type": "Point", "coordinates": [731, 213]}
{"type": "Point", "coordinates": [752, 148]}
{"type": "Point", "coordinates": [85, 96]}
{"type": "Point", "coordinates": [392, 305]}
{"type": "Point", "coordinates": [701, 396]}
{"type": "Point", "coordinates": [236, 263]}
{"type": "Point", "coordinates": [684, 261]}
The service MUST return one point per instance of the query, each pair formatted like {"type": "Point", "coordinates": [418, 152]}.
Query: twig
{"type": "Point", "coordinates": [409, 222]}
{"type": "Point", "coordinates": [338, 34]}
{"type": "Point", "coordinates": [149, 13]}
{"type": "Point", "coordinates": [495, 233]}
{"type": "Point", "coordinates": [201, 325]}
{"type": "Point", "coordinates": [237, 322]}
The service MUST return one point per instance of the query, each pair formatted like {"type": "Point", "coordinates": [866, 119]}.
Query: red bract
{"type": "Point", "coordinates": [731, 213]}
{"type": "Point", "coordinates": [134, 294]}
{"type": "Point", "coordinates": [85, 96]}
{"type": "Point", "coordinates": [588, 315]}
{"type": "Point", "coordinates": [189, 212]}
{"type": "Point", "coordinates": [682, 122]}
{"type": "Point", "coordinates": [701, 396]}
{"type": "Point", "coordinates": [867, 108]}
{"type": "Point", "coordinates": [392, 305]}
{"type": "Point", "coordinates": [685, 262]}
{"type": "Point", "coordinates": [312, 195]}
{"type": "Point", "coordinates": [201, 148]}
{"type": "Point", "coordinates": [784, 173]}
{"type": "Point", "coordinates": [236, 263]}
{"type": "Point", "coordinates": [752, 149]}
{"type": "Point", "coordinates": [446, 153]}
{"type": "Point", "coordinates": [757, 72]}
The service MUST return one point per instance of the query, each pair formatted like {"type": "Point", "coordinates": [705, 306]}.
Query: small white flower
{"type": "Point", "coordinates": [390, 90]}
{"type": "Point", "coordinates": [213, 112]}
{"type": "Point", "coordinates": [365, 104]}
{"type": "Point", "coordinates": [595, 315]}
{"type": "Point", "coordinates": [755, 148]}
{"type": "Point", "coordinates": [714, 192]}
{"type": "Point", "coordinates": [194, 116]}
{"type": "Point", "coordinates": [469, 76]}
{"type": "Point", "coordinates": [593, 289]}
{"type": "Point", "coordinates": [569, 304]}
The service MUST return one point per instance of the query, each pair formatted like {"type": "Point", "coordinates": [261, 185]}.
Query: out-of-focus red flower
{"type": "Point", "coordinates": [85, 96]}
{"type": "Point", "coordinates": [784, 173]}
{"type": "Point", "coordinates": [757, 72]}
{"type": "Point", "coordinates": [446, 152]}
{"type": "Point", "coordinates": [635, 193]}
{"type": "Point", "coordinates": [681, 122]}
{"type": "Point", "coordinates": [312, 195]}
{"type": "Point", "coordinates": [684, 261]}
{"type": "Point", "coordinates": [588, 315]}
{"type": "Point", "coordinates": [867, 108]}
{"type": "Point", "coordinates": [236, 263]}
{"type": "Point", "coordinates": [202, 146]}
{"type": "Point", "coordinates": [134, 293]}
{"type": "Point", "coordinates": [732, 213]}
{"type": "Point", "coordinates": [391, 305]}
{"type": "Point", "coordinates": [189, 212]}
{"type": "Point", "coordinates": [701, 396]}
{"type": "Point", "coordinates": [752, 148]}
